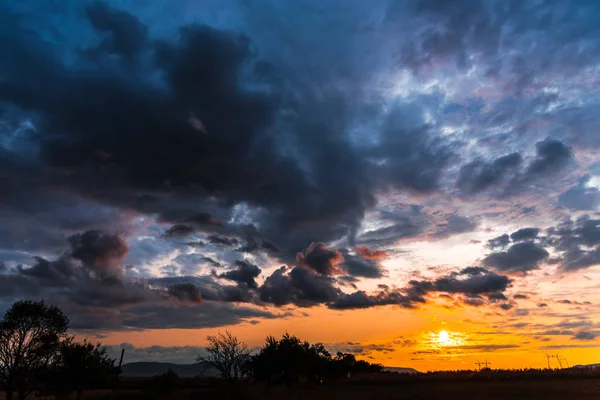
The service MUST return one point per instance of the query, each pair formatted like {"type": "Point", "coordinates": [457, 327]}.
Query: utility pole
{"type": "Point", "coordinates": [483, 365]}
{"type": "Point", "coordinates": [558, 360]}
{"type": "Point", "coordinates": [121, 360]}
{"type": "Point", "coordinates": [114, 389]}
{"type": "Point", "coordinates": [548, 358]}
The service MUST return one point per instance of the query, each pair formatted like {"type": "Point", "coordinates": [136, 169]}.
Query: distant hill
{"type": "Point", "coordinates": [401, 370]}
{"type": "Point", "coordinates": [147, 369]}
{"type": "Point", "coordinates": [587, 366]}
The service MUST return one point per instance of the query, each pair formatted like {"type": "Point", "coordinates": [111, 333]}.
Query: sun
{"type": "Point", "coordinates": [444, 338]}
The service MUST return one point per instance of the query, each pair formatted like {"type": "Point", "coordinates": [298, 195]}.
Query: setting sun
{"type": "Point", "coordinates": [446, 339]}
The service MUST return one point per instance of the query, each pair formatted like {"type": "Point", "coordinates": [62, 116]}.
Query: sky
{"type": "Point", "coordinates": [414, 182]}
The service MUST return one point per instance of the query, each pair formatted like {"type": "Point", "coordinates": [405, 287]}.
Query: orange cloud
{"type": "Point", "coordinates": [371, 254]}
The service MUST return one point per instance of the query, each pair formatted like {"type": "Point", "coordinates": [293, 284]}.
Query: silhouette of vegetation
{"type": "Point", "coordinates": [346, 365]}
{"type": "Point", "coordinates": [30, 338]}
{"type": "Point", "coordinates": [290, 360]}
{"type": "Point", "coordinates": [165, 385]}
{"type": "Point", "coordinates": [227, 354]}
{"type": "Point", "coordinates": [81, 366]}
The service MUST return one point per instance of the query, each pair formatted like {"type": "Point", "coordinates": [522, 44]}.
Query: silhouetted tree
{"type": "Point", "coordinates": [347, 363]}
{"type": "Point", "coordinates": [227, 354]}
{"type": "Point", "coordinates": [289, 360]}
{"type": "Point", "coordinates": [30, 337]}
{"type": "Point", "coordinates": [81, 366]}
{"type": "Point", "coordinates": [164, 386]}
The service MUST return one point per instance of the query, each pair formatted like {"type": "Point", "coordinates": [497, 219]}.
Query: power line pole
{"type": "Point", "coordinates": [558, 360]}
{"type": "Point", "coordinates": [114, 388]}
{"type": "Point", "coordinates": [548, 358]}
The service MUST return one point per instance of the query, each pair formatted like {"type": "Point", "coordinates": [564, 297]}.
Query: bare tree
{"type": "Point", "coordinates": [227, 354]}
{"type": "Point", "coordinates": [30, 337]}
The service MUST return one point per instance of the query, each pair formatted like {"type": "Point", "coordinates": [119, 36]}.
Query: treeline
{"type": "Point", "coordinates": [37, 354]}
{"type": "Point", "coordinates": [509, 374]}
{"type": "Point", "coordinates": [280, 361]}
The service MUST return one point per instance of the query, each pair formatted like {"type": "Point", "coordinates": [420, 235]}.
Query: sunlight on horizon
{"type": "Point", "coordinates": [445, 338]}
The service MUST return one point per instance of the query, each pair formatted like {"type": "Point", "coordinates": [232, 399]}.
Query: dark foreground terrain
{"type": "Point", "coordinates": [444, 390]}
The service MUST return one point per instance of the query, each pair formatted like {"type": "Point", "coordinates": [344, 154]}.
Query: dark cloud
{"type": "Point", "coordinates": [454, 224]}
{"type": "Point", "coordinates": [200, 222]}
{"type": "Point", "coordinates": [524, 234]}
{"type": "Point", "coordinates": [185, 291]}
{"type": "Point", "coordinates": [320, 258]}
{"type": "Point", "coordinates": [551, 156]}
{"type": "Point", "coordinates": [520, 296]}
{"type": "Point", "coordinates": [100, 252]}
{"type": "Point", "coordinates": [472, 280]}
{"type": "Point", "coordinates": [478, 175]}
{"type": "Point", "coordinates": [558, 332]}
{"type": "Point", "coordinates": [223, 240]}
{"type": "Point", "coordinates": [576, 258]}
{"type": "Point", "coordinates": [79, 282]}
{"type": "Point", "coordinates": [487, 347]}
{"type": "Point", "coordinates": [209, 288]}
{"type": "Point", "coordinates": [520, 257]}
{"type": "Point", "coordinates": [206, 315]}
{"type": "Point", "coordinates": [500, 241]}
{"type": "Point", "coordinates": [580, 198]}
{"type": "Point", "coordinates": [301, 286]}
{"type": "Point", "coordinates": [246, 144]}
{"type": "Point", "coordinates": [407, 221]}
{"type": "Point", "coordinates": [245, 273]}
{"type": "Point", "coordinates": [586, 335]}
{"type": "Point", "coordinates": [179, 231]}
{"type": "Point", "coordinates": [122, 34]}
{"type": "Point", "coordinates": [361, 299]}
{"type": "Point", "coordinates": [367, 267]}
{"type": "Point", "coordinates": [569, 346]}
{"type": "Point", "coordinates": [254, 241]}
{"type": "Point", "coordinates": [285, 163]}
{"type": "Point", "coordinates": [578, 241]}
{"type": "Point", "coordinates": [212, 262]}
{"type": "Point", "coordinates": [58, 272]}
{"type": "Point", "coordinates": [192, 263]}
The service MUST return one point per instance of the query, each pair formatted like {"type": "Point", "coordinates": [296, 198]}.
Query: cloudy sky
{"type": "Point", "coordinates": [416, 182]}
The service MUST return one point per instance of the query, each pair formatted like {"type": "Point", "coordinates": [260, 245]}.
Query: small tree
{"type": "Point", "coordinates": [30, 336]}
{"type": "Point", "coordinates": [81, 366]}
{"type": "Point", "coordinates": [164, 386]}
{"type": "Point", "coordinates": [227, 354]}
{"type": "Point", "coordinates": [290, 360]}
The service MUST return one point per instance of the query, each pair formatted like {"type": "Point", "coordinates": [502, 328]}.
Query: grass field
{"type": "Point", "coordinates": [572, 389]}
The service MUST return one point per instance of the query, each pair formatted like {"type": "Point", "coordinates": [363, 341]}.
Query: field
{"type": "Point", "coordinates": [572, 389]}
{"type": "Point", "coordinates": [571, 384]}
